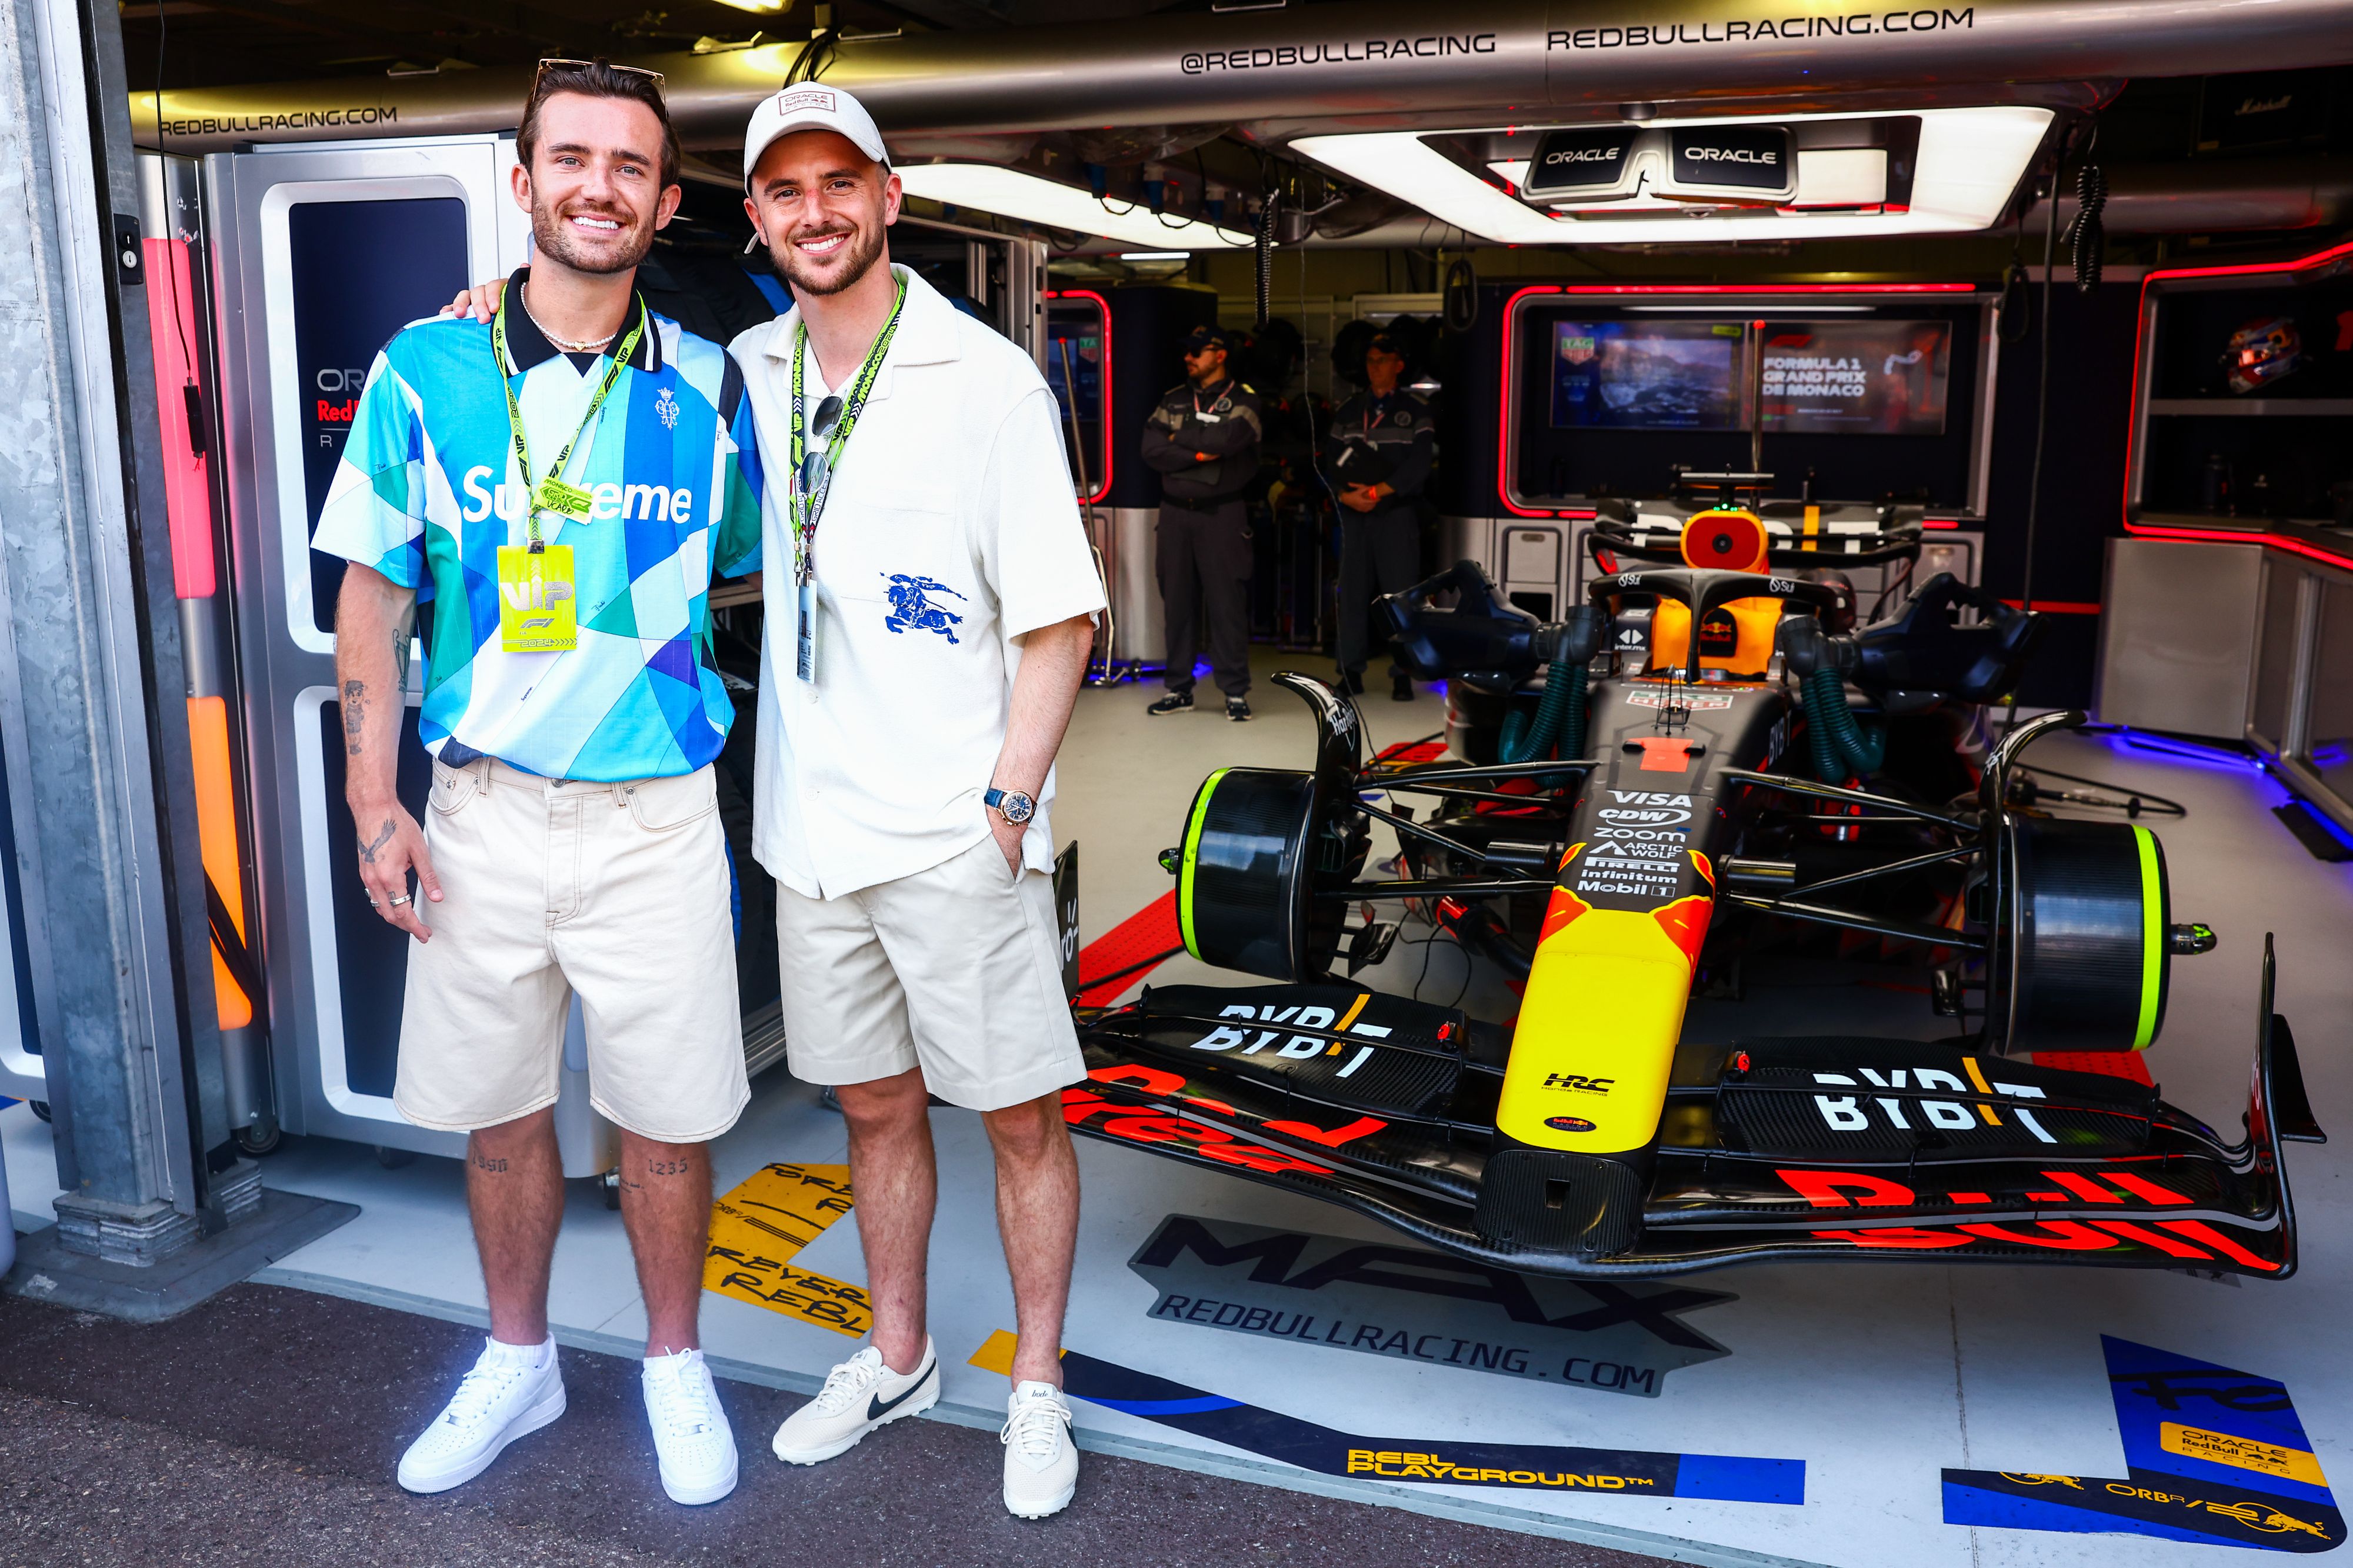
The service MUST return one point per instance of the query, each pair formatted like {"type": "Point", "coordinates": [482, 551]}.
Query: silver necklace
{"type": "Point", "coordinates": [588, 346]}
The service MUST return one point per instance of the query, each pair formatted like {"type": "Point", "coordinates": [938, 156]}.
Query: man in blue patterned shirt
{"type": "Point", "coordinates": [551, 493]}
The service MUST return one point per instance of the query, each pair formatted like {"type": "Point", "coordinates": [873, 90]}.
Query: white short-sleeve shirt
{"type": "Point", "coordinates": [952, 531]}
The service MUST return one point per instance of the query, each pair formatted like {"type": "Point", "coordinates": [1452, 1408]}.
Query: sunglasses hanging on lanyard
{"type": "Point", "coordinates": [813, 471]}
{"type": "Point", "coordinates": [537, 612]}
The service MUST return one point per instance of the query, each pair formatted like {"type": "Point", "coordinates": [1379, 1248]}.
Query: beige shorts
{"type": "Point", "coordinates": [615, 890]}
{"type": "Point", "coordinates": [957, 970]}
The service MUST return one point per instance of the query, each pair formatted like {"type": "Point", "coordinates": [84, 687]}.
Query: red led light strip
{"type": "Point", "coordinates": [1103, 305]}
{"type": "Point", "coordinates": [2218, 535]}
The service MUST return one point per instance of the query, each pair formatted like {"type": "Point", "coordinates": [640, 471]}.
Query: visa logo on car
{"type": "Point", "coordinates": [1570, 1123]}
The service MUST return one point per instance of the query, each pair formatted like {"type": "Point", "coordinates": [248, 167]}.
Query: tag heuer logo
{"type": "Point", "coordinates": [666, 409]}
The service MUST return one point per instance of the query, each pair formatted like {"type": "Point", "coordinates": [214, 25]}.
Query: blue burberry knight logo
{"type": "Point", "coordinates": [912, 611]}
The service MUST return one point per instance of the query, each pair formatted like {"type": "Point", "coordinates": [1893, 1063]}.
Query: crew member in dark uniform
{"type": "Point", "coordinates": [1203, 440]}
{"type": "Point", "coordinates": [1376, 460]}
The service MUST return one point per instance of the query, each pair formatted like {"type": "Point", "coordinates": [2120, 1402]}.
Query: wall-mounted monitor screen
{"type": "Point", "coordinates": [1862, 378]}
{"type": "Point", "coordinates": [1648, 376]}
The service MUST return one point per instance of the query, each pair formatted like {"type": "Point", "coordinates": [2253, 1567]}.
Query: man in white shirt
{"type": "Point", "coordinates": [931, 602]}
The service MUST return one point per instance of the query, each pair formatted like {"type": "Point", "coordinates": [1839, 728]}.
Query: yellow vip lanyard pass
{"type": "Point", "coordinates": [537, 613]}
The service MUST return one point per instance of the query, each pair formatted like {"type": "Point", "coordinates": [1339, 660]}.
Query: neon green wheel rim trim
{"type": "Point", "coordinates": [2152, 926]}
{"type": "Point", "coordinates": [1192, 850]}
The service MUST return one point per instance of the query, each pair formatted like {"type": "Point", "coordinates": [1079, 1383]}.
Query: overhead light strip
{"type": "Point", "coordinates": [1009, 192]}
{"type": "Point", "coordinates": [1969, 164]}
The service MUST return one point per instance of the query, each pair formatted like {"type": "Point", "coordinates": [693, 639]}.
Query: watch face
{"type": "Point", "coordinates": [1016, 807]}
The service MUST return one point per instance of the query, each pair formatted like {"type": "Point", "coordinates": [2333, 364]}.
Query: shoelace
{"type": "Point", "coordinates": [1034, 1428]}
{"type": "Point", "coordinates": [479, 1390]}
{"type": "Point", "coordinates": [846, 1383]}
{"type": "Point", "coordinates": [679, 1402]}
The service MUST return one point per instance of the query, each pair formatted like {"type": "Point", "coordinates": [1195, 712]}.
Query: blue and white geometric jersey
{"type": "Point", "coordinates": [428, 490]}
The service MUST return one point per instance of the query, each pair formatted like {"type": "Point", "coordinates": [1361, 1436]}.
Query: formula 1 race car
{"type": "Point", "coordinates": [1670, 777]}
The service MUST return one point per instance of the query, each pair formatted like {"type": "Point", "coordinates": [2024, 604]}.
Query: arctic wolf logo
{"type": "Point", "coordinates": [911, 611]}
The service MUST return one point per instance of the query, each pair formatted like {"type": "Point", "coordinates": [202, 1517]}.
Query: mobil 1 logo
{"type": "Point", "coordinates": [1414, 1305]}
{"type": "Point", "coordinates": [1635, 847]}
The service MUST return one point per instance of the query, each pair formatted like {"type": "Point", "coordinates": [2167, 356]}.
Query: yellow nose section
{"type": "Point", "coordinates": [1596, 1041]}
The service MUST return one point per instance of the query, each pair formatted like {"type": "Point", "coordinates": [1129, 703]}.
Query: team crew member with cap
{"type": "Point", "coordinates": [1203, 440]}
{"type": "Point", "coordinates": [1377, 458]}
{"type": "Point", "coordinates": [931, 602]}
{"type": "Point", "coordinates": [554, 488]}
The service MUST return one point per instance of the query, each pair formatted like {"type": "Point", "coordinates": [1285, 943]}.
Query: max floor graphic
{"type": "Point", "coordinates": [1411, 1304]}
{"type": "Point", "coordinates": [2212, 1456]}
{"type": "Point", "coordinates": [758, 1228]}
{"type": "Point", "coordinates": [1418, 1461]}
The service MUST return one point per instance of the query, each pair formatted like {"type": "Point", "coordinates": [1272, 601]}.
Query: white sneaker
{"type": "Point", "coordinates": [859, 1396]}
{"type": "Point", "coordinates": [692, 1437]}
{"type": "Point", "coordinates": [511, 1389]}
{"type": "Point", "coordinates": [1041, 1463]}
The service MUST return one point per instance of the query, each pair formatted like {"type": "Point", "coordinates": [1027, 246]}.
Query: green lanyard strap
{"type": "Point", "coordinates": [621, 356]}
{"type": "Point", "coordinates": [807, 508]}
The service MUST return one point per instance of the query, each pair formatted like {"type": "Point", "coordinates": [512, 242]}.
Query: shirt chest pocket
{"type": "Point", "coordinates": [890, 534]}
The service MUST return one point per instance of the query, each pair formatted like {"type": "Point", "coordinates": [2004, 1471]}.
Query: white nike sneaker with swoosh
{"type": "Point", "coordinates": [859, 1396]}
{"type": "Point", "coordinates": [1041, 1463]}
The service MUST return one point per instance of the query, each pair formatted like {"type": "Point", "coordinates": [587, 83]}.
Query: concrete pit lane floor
{"type": "Point", "coordinates": [264, 1427]}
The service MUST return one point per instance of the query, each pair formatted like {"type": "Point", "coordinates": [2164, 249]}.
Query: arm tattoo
{"type": "Point", "coordinates": [354, 714]}
{"type": "Point", "coordinates": [400, 655]}
{"type": "Point", "coordinates": [383, 836]}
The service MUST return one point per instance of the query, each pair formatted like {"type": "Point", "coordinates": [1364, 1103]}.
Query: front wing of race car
{"type": "Point", "coordinates": [1810, 1148]}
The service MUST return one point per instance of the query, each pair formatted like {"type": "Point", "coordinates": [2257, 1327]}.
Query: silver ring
{"type": "Point", "coordinates": [397, 898]}
{"type": "Point", "coordinates": [371, 902]}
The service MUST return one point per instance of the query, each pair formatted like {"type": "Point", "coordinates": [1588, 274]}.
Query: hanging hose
{"type": "Point", "coordinates": [1843, 748]}
{"type": "Point", "coordinates": [1559, 719]}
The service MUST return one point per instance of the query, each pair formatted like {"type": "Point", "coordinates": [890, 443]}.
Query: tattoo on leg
{"type": "Point", "coordinates": [484, 1162]}
{"type": "Point", "coordinates": [354, 713]}
{"type": "Point", "coordinates": [383, 836]}
{"type": "Point", "coordinates": [668, 1167]}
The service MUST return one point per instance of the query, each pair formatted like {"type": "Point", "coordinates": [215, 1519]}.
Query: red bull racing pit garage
{"type": "Point", "coordinates": [1533, 782]}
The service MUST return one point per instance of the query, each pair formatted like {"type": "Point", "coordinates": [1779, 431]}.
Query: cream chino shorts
{"type": "Point", "coordinates": [549, 886]}
{"type": "Point", "coordinates": [956, 969]}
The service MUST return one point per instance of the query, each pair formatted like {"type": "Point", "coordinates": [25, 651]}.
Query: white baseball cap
{"type": "Point", "coordinates": [810, 106]}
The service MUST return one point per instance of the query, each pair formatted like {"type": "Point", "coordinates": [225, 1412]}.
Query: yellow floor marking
{"type": "Point", "coordinates": [758, 1228]}
{"type": "Point", "coordinates": [995, 1353]}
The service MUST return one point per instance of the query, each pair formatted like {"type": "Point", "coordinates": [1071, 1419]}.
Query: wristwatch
{"type": "Point", "coordinates": [1012, 805]}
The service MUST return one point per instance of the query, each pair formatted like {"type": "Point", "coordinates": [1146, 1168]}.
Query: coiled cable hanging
{"type": "Point", "coordinates": [2086, 236]}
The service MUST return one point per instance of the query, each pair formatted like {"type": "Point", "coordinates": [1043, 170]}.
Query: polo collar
{"type": "Point", "coordinates": [528, 348]}
{"type": "Point", "coordinates": [927, 331]}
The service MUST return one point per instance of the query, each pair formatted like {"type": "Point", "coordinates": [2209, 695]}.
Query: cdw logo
{"type": "Point", "coordinates": [1846, 1112]}
{"type": "Point", "coordinates": [1226, 1037]}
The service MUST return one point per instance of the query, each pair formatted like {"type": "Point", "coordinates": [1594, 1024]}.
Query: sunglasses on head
{"type": "Point", "coordinates": [547, 66]}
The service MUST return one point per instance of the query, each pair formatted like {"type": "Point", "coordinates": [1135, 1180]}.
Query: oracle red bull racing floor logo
{"type": "Point", "coordinates": [2212, 1456]}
